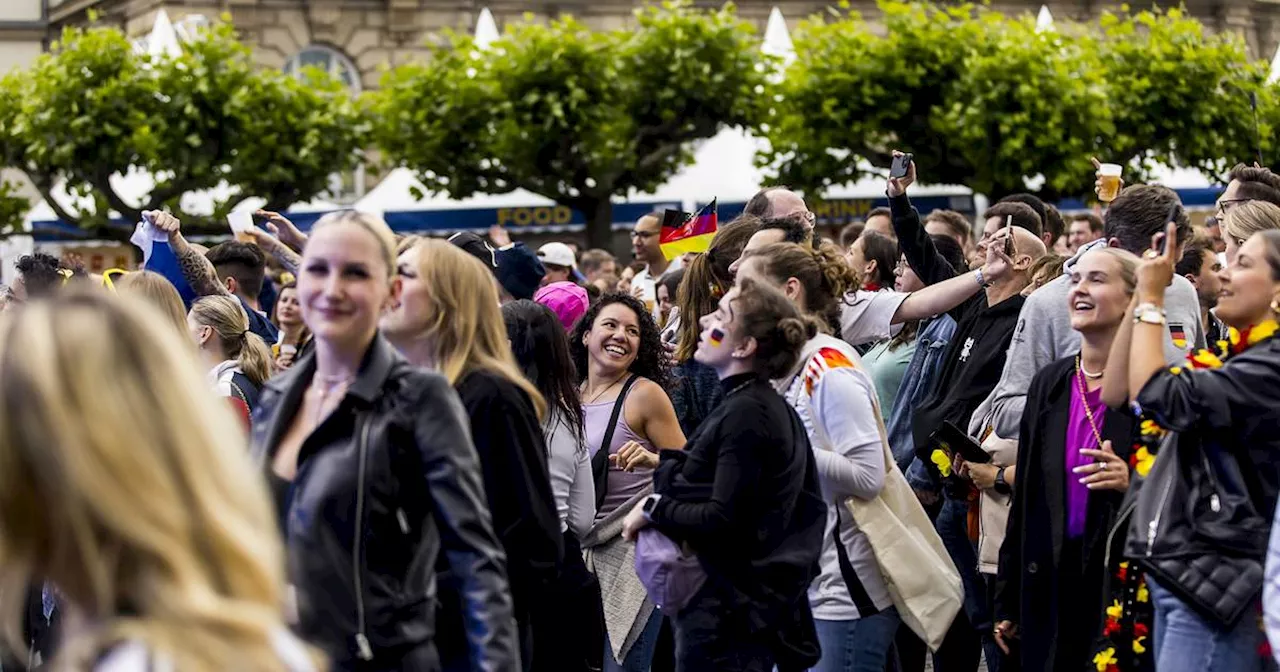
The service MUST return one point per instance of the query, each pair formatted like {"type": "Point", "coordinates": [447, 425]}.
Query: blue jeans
{"type": "Point", "coordinates": [860, 645]}
{"type": "Point", "coordinates": [953, 527]}
{"type": "Point", "coordinates": [1186, 642]}
{"type": "Point", "coordinates": [641, 654]}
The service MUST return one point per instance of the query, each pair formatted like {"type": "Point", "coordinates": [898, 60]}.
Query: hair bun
{"type": "Point", "coordinates": [795, 331]}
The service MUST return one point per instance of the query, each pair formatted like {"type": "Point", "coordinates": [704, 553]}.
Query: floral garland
{"type": "Point", "coordinates": [1144, 454]}
{"type": "Point", "coordinates": [1128, 625]}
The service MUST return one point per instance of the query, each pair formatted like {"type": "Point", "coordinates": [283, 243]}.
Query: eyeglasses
{"type": "Point", "coordinates": [643, 235]}
{"type": "Point", "coordinates": [1225, 206]}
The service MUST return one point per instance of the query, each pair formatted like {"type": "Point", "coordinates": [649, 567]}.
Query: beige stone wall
{"type": "Point", "coordinates": [377, 33]}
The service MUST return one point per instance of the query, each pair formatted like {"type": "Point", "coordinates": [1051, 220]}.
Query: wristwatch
{"type": "Point", "coordinates": [650, 503]}
{"type": "Point", "coordinates": [1149, 313]}
{"type": "Point", "coordinates": [1002, 486]}
{"type": "Point", "coordinates": [981, 278]}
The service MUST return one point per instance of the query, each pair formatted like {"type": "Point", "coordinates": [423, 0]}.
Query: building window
{"type": "Point", "coordinates": [345, 187]}
{"type": "Point", "coordinates": [329, 60]}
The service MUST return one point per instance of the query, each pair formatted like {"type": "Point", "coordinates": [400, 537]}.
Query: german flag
{"type": "Point", "coordinates": [682, 232]}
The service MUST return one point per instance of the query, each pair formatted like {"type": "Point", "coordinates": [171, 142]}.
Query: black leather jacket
{"type": "Point", "coordinates": [384, 484]}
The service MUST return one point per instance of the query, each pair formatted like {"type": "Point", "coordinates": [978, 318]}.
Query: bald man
{"type": "Point", "coordinates": [777, 202]}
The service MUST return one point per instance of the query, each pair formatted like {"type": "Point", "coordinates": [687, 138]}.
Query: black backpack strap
{"type": "Point", "coordinates": [858, 592]}
{"type": "Point", "coordinates": [600, 461]}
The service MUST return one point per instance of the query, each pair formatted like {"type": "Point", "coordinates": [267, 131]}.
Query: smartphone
{"type": "Point", "coordinates": [1164, 238]}
{"type": "Point", "coordinates": [1008, 239]}
{"type": "Point", "coordinates": [901, 164]}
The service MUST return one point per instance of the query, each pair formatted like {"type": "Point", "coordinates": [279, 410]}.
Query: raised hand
{"type": "Point", "coordinates": [898, 185]}
{"type": "Point", "coordinates": [282, 228]}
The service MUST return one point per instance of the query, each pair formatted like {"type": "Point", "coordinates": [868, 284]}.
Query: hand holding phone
{"type": "Point", "coordinates": [901, 165]}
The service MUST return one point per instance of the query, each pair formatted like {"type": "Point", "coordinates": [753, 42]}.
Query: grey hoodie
{"type": "Point", "coordinates": [1044, 335]}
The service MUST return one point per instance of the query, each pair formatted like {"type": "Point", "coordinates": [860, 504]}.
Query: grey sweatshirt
{"type": "Point", "coordinates": [1044, 335]}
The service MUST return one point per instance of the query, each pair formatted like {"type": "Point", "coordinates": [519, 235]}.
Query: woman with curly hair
{"type": "Point", "coordinates": [619, 358]}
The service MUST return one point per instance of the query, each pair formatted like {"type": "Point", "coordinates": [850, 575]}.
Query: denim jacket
{"type": "Point", "coordinates": [922, 370]}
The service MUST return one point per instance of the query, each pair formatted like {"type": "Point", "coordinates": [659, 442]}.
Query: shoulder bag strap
{"type": "Point", "coordinates": [600, 461]}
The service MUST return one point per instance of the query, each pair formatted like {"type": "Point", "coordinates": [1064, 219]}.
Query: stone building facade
{"type": "Point", "coordinates": [364, 35]}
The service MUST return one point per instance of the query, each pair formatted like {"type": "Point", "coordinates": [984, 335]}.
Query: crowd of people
{"type": "Point", "coordinates": [1030, 442]}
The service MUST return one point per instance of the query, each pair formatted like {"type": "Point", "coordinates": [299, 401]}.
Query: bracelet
{"type": "Point", "coordinates": [982, 280]}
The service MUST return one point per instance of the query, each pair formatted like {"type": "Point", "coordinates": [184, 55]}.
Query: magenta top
{"type": "Point", "coordinates": [1080, 436]}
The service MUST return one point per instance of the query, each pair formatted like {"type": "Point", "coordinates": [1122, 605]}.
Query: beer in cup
{"type": "Point", "coordinates": [1109, 182]}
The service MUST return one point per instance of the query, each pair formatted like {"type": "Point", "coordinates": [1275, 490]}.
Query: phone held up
{"type": "Point", "coordinates": [901, 164]}
{"type": "Point", "coordinates": [1008, 239]}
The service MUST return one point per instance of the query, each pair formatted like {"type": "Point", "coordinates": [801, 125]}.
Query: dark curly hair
{"type": "Point", "coordinates": [650, 361]}
{"type": "Point", "coordinates": [41, 274]}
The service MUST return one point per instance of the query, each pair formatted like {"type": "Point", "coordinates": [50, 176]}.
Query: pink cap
{"type": "Point", "coordinates": [567, 300]}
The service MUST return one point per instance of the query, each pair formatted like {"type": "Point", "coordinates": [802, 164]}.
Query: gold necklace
{"type": "Point", "coordinates": [1084, 401]}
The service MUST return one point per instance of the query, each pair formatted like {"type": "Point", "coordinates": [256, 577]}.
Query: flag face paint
{"type": "Point", "coordinates": [716, 337]}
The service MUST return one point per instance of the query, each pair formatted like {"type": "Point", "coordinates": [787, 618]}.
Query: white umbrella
{"type": "Point", "coordinates": [486, 29]}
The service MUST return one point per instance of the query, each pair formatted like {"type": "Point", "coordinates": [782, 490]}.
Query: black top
{"type": "Point", "coordinates": [1238, 405]}
{"type": "Point", "coordinates": [744, 495]}
{"type": "Point", "coordinates": [513, 458]}
{"type": "Point", "coordinates": [970, 370]}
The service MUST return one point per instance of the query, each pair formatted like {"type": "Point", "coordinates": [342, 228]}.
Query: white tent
{"type": "Point", "coordinates": [395, 192]}
{"type": "Point", "coordinates": [486, 29]}
{"type": "Point", "coordinates": [1044, 21]}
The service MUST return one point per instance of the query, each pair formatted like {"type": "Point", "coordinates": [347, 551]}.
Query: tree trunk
{"type": "Point", "coordinates": [600, 224]}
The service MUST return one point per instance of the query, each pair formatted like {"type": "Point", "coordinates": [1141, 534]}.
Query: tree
{"type": "Point", "coordinates": [92, 108]}
{"type": "Point", "coordinates": [575, 115]}
{"type": "Point", "coordinates": [1181, 97]}
{"type": "Point", "coordinates": [13, 207]}
{"type": "Point", "coordinates": [987, 101]}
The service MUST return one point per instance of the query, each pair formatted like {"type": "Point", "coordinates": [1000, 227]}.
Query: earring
{"type": "Point", "coordinates": [1275, 306]}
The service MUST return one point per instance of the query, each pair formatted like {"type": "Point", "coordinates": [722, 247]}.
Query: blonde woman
{"type": "Point", "coordinates": [158, 536]}
{"type": "Point", "coordinates": [375, 474]}
{"type": "Point", "coordinates": [239, 361]}
{"type": "Point", "coordinates": [1243, 219]}
{"type": "Point", "coordinates": [447, 319]}
{"type": "Point", "coordinates": [159, 292]}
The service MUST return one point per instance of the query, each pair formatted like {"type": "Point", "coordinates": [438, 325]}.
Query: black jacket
{"type": "Point", "coordinates": [1031, 559]}
{"type": "Point", "coordinates": [923, 256]}
{"type": "Point", "coordinates": [513, 458]}
{"type": "Point", "coordinates": [385, 484]}
{"type": "Point", "coordinates": [744, 494]}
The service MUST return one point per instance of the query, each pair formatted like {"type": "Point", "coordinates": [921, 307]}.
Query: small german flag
{"type": "Point", "coordinates": [1179, 336]}
{"type": "Point", "coordinates": [683, 233]}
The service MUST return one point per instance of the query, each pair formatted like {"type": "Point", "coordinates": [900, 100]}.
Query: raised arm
{"type": "Point", "coordinates": [930, 266]}
{"type": "Point", "coordinates": [1146, 353]}
{"type": "Point", "coordinates": [942, 297]}
{"type": "Point", "coordinates": [196, 269]}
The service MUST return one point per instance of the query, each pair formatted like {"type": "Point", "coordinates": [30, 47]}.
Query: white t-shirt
{"type": "Point", "coordinates": [842, 399]}
{"type": "Point", "coordinates": [867, 317]}
{"type": "Point", "coordinates": [572, 483]}
{"type": "Point", "coordinates": [649, 284]}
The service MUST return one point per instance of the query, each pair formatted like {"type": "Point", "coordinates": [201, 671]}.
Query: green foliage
{"type": "Point", "coordinates": [984, 100]}
{"type": "Point", "coordinates": [13, 208]}
{"type": "Point", "coordinates": [92, 107]}
{"type": "Point", "coordinates": [572, 114]}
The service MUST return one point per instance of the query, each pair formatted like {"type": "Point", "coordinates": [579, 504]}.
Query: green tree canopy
{"type": "Point", "coordinates": [575, 115]}
{"type": "Point", "coordinates": [92, 107]}
{"type": "Point", "coordinates": [986, 100]}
